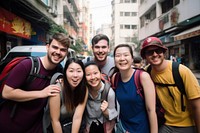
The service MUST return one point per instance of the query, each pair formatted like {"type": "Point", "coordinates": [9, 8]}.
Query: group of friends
{"type": "Point", "coordinates": [124, 111]}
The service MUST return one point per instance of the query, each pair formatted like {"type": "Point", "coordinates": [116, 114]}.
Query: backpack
{"type": "Point", "coordinates": [178, 82]}
{"type": "Point", "coordinates": [34, 73]}
{"type": "Point", "coordinates": [4, 74]}
{"type": "Point", "coordinates": [139, 90]}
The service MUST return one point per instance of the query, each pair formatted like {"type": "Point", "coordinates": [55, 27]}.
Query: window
{"type": "Point", "coordinates": [127, 26]}
{"type": "Point", "coordinates": [168, 4]}
{"type": "Point", "coordinates": [121, 26]}
{"type": "Point", "coordinates": [133, 26]}
{"type": "Point", "coordinates": [127, 1]}
{"type": "Point", "coordinates": [127, 14]}
{"type": "Point", "coordinates": [133, 13]}
{"type": "Point", "coordinates": [133, 1]}
{"type": "Point", "coordinates": [121, 1]}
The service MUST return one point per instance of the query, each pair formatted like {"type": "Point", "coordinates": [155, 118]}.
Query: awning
{"type": "Point", "coordinates": [195, 31]}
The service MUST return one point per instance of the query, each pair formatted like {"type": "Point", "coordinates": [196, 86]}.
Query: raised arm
{"type": "Point", "coordinates": [22, 95]}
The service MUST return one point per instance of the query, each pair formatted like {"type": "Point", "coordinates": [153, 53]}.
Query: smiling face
{"type": "Point", "coordinates": [56, 52]}
{"type": "Point", "coordinates": [100, 50]}
{"type": "Point", "coordinates": [154, 55]}
{"type": "Point", "coordinates": [74, 74]}
{"type": "Point", "coordinates": [93, 76]}
{"type": "Point", "coordinates": [123, 58]}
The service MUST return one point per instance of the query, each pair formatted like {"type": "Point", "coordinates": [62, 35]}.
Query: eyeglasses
{"type": "Point", "coordinates": [151, 52]}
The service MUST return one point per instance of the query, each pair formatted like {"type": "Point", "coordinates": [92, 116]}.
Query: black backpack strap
{"type": "Point", "coordinates": [35, 69]}
{"type": "Point", "coordinates": [104, 93]}
{"type": "Point", "coordinates": [178, 82]}
{"type": "Point", "coordinates": [149, 69]}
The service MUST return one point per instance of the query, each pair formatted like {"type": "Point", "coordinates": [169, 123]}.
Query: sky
{"type": "Point", "coordinates": [101, 12]}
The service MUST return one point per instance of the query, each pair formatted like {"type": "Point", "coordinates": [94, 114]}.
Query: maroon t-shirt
{"type": "Point", "coordinates": [28, 115]}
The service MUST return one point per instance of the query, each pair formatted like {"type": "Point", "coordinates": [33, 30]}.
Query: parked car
{"type": "Point", "coordinates": [32, 50]}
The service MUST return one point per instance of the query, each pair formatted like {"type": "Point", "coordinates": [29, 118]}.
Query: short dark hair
{"type": "Point", "coordinates": [99, 37]}
{"type": "Point", "coordinates": [92, 63]}
{"type": "Point", "coordinates": [62, 38]}
{"type": "Point", "coordinates": [137, 59]}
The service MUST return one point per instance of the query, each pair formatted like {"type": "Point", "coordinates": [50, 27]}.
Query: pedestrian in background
{"type": "Point", "coordinates": [137, 114]}
{"type": "Point", "coordinates": [100, 115]}
{"type": "Point", "coordinates": [138, 62]}
{"type": "Point", "coordinates": [177, 120]}
{"type": "Point", "coordinates": [31, 100]}
{"type": "Point", "coordinates": [100, 48]}
{"type": "Point", "coordinates": [74, 95]}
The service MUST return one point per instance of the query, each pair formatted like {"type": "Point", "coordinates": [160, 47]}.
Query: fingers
{"type": "Point", "coordinates": [53, 90]}
{"type": "Point", "coordinates": [104, 106]}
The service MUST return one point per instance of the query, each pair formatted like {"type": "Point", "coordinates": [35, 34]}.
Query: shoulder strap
{"type": "Point", "coordinates": [88, 58]}
{"type": "Point", "coordinates": [138, 83]}
{"type": "Point", "coordinates": [149, 69]}
{"type": "Point", "coordinates": [178, 82]}
{"type": "Point", "coordinates": [35, 68]}
{"type": "Point", "coordinates": [104, 93]}
{"type": "Point", "coordinates": [114, 80]}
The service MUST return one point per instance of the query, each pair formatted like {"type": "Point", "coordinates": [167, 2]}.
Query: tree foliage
{"type": "Point", "coordinates": [56, 28]}
{"type": "Point", "coordinates": [78, 46]}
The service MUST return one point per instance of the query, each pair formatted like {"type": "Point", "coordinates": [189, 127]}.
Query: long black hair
{"type": "Point", "coordinates": [76, 96]}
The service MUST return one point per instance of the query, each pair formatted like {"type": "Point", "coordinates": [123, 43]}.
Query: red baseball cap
{"type": "Point", "coordinates": [151, 41]}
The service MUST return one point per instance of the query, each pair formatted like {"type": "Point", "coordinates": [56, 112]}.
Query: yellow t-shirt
{"type": "Point", "coordinates": [172, 104]}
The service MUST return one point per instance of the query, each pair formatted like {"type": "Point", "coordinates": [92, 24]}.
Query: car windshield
{"type": "Point", "coordinates": [18, 54]}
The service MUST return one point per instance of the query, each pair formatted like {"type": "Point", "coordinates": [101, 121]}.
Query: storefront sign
{"type": "Point", "coordinates": [12, 24]}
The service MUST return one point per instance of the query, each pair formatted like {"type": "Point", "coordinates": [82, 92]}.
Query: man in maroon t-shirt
{"type": "Point", "coordinates": [31, 99]}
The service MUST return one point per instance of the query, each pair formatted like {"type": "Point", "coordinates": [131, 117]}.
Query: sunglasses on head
{"type": "Point", "coordinates": [151, 52]}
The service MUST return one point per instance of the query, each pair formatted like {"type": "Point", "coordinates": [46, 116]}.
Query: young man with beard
{"type": "Point", "coordinates": [100, 48]}
{"type": "Point", "coordinates": [177, 119]}
{"type": "Point", "coordinates": [31, 97]}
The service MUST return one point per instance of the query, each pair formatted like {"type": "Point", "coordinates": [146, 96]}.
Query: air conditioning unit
{"type": "Point", "coordinates": [147, 21]}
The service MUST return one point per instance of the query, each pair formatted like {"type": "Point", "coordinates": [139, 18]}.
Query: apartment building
{"type": "Point", "coordinates": [176, 23]}
{"type": "Point", "coordinates": [124, 22]}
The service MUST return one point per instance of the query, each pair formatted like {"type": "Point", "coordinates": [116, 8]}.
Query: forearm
{"type": "Point", "coordinates": [21, 95]}
{"type": "Point", "coordinates": [76, 125]}
{"type": "Point", "coordinates": [153, 122]}
{"type": "Point", "coordinates": [56, 127]}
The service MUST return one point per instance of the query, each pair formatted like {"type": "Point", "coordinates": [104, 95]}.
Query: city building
{"type": "Point", "coordinates": [124, 22]}
{"type": "Point", "coordinates": [30, 22]}
{"type": "Point", "coordinates": [27, 22]}
{"type": "Point", "coordinates": [177, 24]}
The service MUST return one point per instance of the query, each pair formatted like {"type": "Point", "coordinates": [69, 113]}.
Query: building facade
{"type": "Point", "coordinates": [27, 22]}
{"type": "Point", "coordinates": [177, 24]}
{"type": "Point", "coordinates": [124, 22]}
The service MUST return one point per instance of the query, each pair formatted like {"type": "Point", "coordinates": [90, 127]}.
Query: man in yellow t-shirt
{"type": "Point", "coordinates": [177, 121]}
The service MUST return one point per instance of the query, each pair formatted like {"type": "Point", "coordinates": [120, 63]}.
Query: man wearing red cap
{"type": "Point", "coordinates": [177, 120]}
